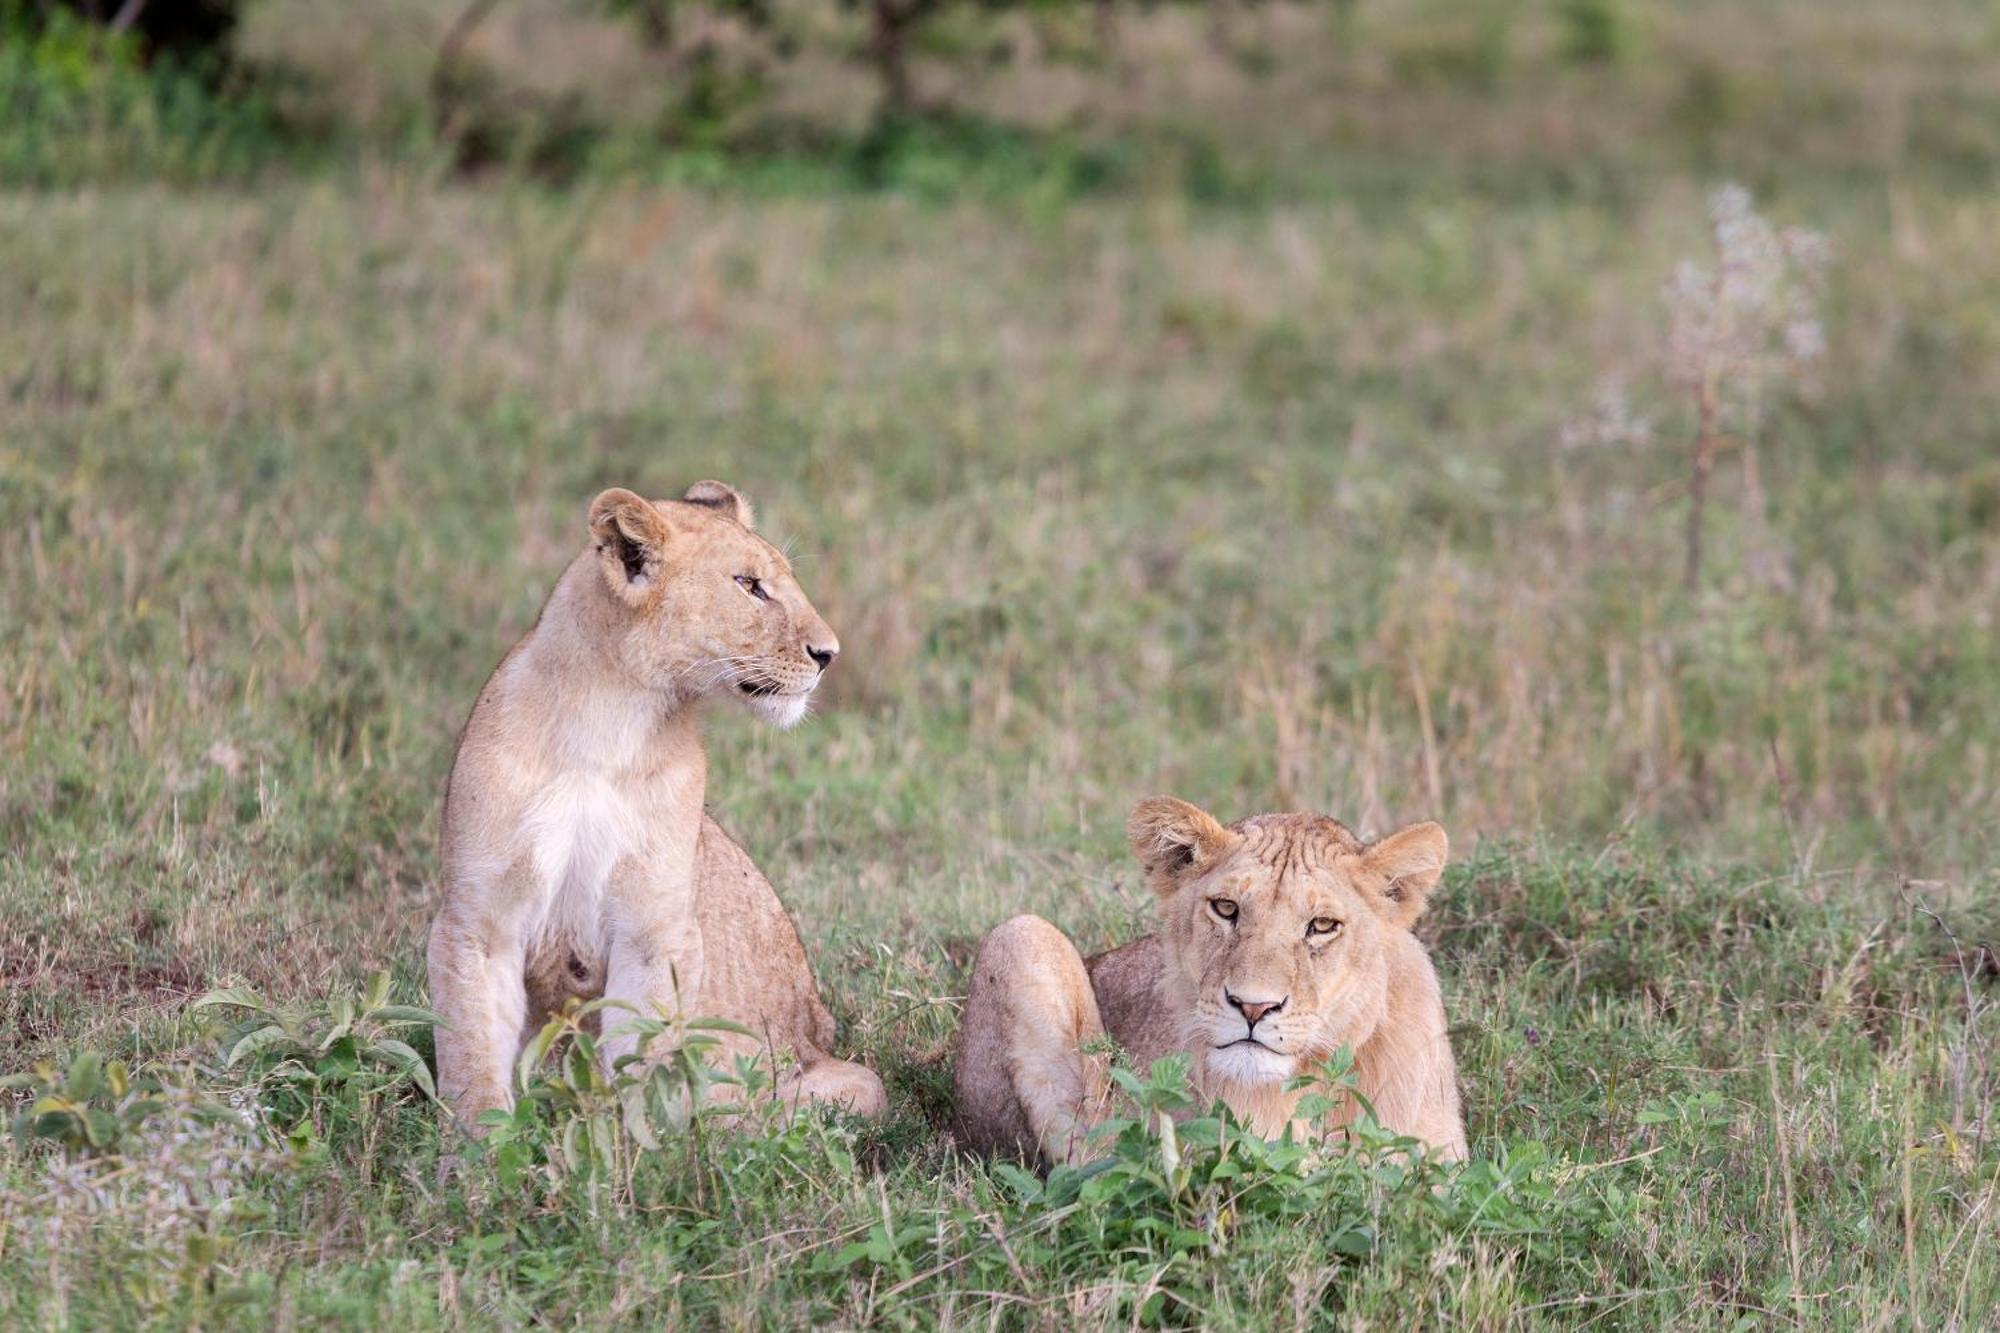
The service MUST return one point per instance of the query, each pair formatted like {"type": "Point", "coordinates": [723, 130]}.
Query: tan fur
{"type": "Point", "coordinates": [577, 861]}
{"type": "Point", "coordinates": [1026, 1085]}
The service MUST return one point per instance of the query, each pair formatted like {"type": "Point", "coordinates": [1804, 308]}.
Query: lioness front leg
{"type": "Point", "coordinates": [1022, 1080]}
{"type": "Point", "coordinates": [655, 959]}
{"type": "Point", "coordinates": [477, 988]}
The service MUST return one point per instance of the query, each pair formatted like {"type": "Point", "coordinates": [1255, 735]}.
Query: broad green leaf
{"type": "Point", "coordinates": [85, 1078]}
{"type": "Point", "coordinates": [537, 1047]}
{"type": "Point", "coordinates": [407, 1013]}
{"type": "Point", "coordinates": [403, 1057]}
{"type": "Point", "coordinates": [1023, 1183]}
{"type": "Point", "coordinates": [638, 1124]}
{"type": "Point", "coordinates": [101, 1127]}
{"type": "Point", "coordinates": [240, 997]}
{"type": "Point", "coordinates": [849, 1255]}
{"type": "Point", "coordinates": [1356, 1243]}
{"type": "Point", "coordinates": [261, 1039]}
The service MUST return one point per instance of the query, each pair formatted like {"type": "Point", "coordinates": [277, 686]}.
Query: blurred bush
{"type": "Point", "coordinates": [1054, 98]}
{"type": "Point", "coordinates": [80, 100]}
{"type": "Point", "coordinates": [1594, 32]}
{"type": "Point", "coordinates": [192, 32]}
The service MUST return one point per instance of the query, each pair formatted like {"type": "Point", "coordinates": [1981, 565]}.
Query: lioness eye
{"type": "Point", "coordinates": [753, 586]}
{"type": "Point", "coordinates": [1223, 907]}
{"type": "Point", "coordinates": [1323, 925]}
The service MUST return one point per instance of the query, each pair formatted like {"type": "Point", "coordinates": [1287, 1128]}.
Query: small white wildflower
{"type": "Point", "coordinates": [1805, 340]}
{"type": "Point", "coordinates": [226, 757]}
{"type": "Point", "coordinates": [1735, 329]}
{"type": "Point", "coordinates": [1610, 423]}
{"type": "Point", "coordinates": [184, 1172]}
{"type": "Point", "coordinates": [1729, 202]}
{"type": "Point", "coordinates": [1809, 250]}
{"type": "Point", "coordinates": [1754, 314]}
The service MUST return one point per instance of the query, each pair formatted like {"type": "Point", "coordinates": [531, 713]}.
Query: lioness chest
{"type": "Point", "coordinates": [580, 831]}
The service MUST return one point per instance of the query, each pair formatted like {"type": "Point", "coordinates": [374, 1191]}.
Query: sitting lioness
{"type": "Point", "coordinates": [577, 859]}
{"type": "Point", "coordinates": [1283, 938]}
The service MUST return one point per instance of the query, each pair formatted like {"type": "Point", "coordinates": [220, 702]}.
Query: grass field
{"type": "Point", "coordinates": [1268, 504]}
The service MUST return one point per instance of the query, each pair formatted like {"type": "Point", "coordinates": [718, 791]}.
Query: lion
{"type": "Point", "coordinates": [1283, 938]}
{"type": "Point", "coordinates": [577, 859]}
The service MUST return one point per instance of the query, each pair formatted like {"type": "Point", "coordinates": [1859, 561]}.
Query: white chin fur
{"type": "Point", "coordinates": [780, 710]}
{"type": "Point", "coordinates": [1248, 1064]}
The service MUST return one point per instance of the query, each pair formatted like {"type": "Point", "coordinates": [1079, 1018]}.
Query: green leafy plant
{"type": "Point", "coordinates": [80, 101]}
{"type": "Point", "coordinates": [575, 1121]}
{"type": "Point", "coordinates": [1177, 1195]}
{"type": "Point", "coordinates": [144, 1174]}
{"type": "Point", "coordinates": [91, 1106]}
{"type": "Point", "coordinates": [350, 1045]}
{"type": "Point", "coordinates": [1594, 32]}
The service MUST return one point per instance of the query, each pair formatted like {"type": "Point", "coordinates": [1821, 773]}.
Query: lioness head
{"type": "Point", "coordinates": [703, 606]}
{"type": "Point", "coordinates": [1280, 927]}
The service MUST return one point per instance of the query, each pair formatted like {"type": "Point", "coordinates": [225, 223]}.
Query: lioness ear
{"type": "Point", "coordinates": [1409, 862]}
{"type": "Point", "coordinates": [631, 538]}
{"type": "Point", "coordinates": [724, 500]}
{"type": "Point", "coordinates": [1173, 839]}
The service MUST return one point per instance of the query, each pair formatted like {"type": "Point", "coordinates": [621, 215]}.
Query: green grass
{"type": "Point", "coordinates": [1260, 503]}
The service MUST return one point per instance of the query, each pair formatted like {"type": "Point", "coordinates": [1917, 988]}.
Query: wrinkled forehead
{"type": "Point", "coordinates": [1278, 852]}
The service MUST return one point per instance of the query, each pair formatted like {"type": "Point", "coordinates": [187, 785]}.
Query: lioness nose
{"type": "Point", "coordinates": [1252, 1010]}
{"type": "Point", "coordinates": [823, 655]}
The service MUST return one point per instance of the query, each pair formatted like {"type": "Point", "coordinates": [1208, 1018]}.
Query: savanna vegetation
{"type": "Point", "coordinates": [1277, 405]}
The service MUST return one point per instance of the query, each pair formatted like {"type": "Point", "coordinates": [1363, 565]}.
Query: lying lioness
{"type": "Point", "coordinates": [1283, 938]}
{"type": "Point", "coordinates": [577, 860]}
